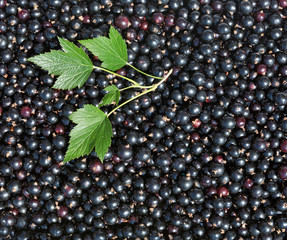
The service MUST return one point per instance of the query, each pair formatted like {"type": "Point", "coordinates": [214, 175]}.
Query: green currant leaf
{"type": "Point", "coordinates": [111, 51]}
{"type": "Point", "coordinates": [72, 65]}
{"type": "Point", "coordinates": [93, 131]}
{"type": "Point", "coordinates": [113, 95]}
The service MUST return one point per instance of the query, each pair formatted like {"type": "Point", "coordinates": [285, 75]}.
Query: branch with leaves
{"type": "Point", "coordinates": [73, 66]}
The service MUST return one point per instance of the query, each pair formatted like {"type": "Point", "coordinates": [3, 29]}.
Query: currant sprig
{"type": "Point", "coordinates": [93, 128]}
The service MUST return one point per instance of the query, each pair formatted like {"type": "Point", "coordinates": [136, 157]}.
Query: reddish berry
{"type": "Point", "coordinates": [169, 20]}
{"type": "Point", "coordinates": [261, 69]}
{"type": "Point", "coordinates": [240, 122]}
{"type": "Point", "coordinates": [122, 22]}
{"type": "Point", "coordinates": [116, 159]}
{"type": "Point", "coordinates": [248, 183]}
{"type": "Point", "coordinates": [26, 111]}
{"type": "Point", "coordinates": [23, 15]}
{"type": "Point", "coordinates": [15, 211]}
{"type": "Point", "coordinates": [195, 136]}
{"type": "Point", "coordinates": [86, 19]}
{"type": "Point", "coordinates": [196, 123]}
{"type": "Point", "coordinates": [144, 25]}
{"type": "Point", "coordinates": [211, 191]}
{"type": "Point", "coordinates": [222, 191]}
{"type": "Point", "coordinates": [62, 211]}
{"type": "Point", "coordinates": [260, 16]}
{"type": "Point", "coordinates": [157, 18]}
{"type": "Point", "coordinates": [69, 92]}
{"type": "Point", "coordinates": [121, 71]}
{"type": "Point", "coordinates": [60, 129]}
{"type": "Point", "coordinates": [96, 167]}
{"type": "Point", "coordinates": [252, 86]}
{"type": "Point", "coordinates": [283, 3]}
{"type": "Point", "coordinates": [219, 159]}
{"type": "Point", "coordinates": [283, 146]}
{"type": "Point", "coordinates": [3, 3]}
{"type": "Point", "coordinates": [283, 172]}
{"type": "Point", "coordinates": [172, 229]}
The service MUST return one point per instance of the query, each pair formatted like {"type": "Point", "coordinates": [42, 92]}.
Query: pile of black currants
{"type": "Point", "coordinates": [202, 157]}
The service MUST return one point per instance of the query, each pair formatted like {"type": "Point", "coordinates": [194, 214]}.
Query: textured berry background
{"type": "Point", "coordinates": [202, 157]}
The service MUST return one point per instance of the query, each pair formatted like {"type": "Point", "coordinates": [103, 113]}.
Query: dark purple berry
{"type": "Point", "coordinates": [122, 22]}
{"type": "Point", "coordinates": [62, 211]}
{"type": "Point", "coordinates": [222, 191]}
{"type": "Point", "coordinates": [157, 18]}
{"type": "Point", "coordinates": [169, 20]}
{"type": "Point", "coordinates": [3, 3]}
{"type": "Point", "coordinates": [283, 146]}
{"type": "Point", "coordinates": [96, 166]}
{"type": "Point", "coordinates": [26, 111]}
{"type": "Point", "coordinates": [283, 3]}
{"type": "Point", "coordinates": [261, 69]}
{"type": "Point", "coordinates": [282, 172]}
{"type": "Point", "coordinates": [60, 129]}
{"type": "Point", "coordinates": [23, 15]}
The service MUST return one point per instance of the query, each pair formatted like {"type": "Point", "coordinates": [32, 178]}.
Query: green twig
{"type": "Point", "coordinates": [128, 79]}
{"type": "Point", "coordinates": [153, 87]}
{"type": "Point", "coordinates": [135, 97]}
{"type": "Point", "coordinates": [134, 86]}
{"type": "Point", "coordinates": [144, 72]}
{"type": "Point", "coordinates": [165, 78]}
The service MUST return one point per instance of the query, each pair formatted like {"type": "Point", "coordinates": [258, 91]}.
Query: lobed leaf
{"type": "Point", "coordinates": [113, 95]}
{"type": "Point", "coordinates": [111, 51]}
{"type": "Point", "coordinates": [73, 66]}
{"type": "Point", "coordinates": [93, 131]}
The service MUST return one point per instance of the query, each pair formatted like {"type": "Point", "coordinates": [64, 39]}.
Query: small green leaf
{"type": "Point", "coordinates": [113, 95]}
{"type": "Point", "coordinates": [111, 51]}
{"type": "Point", "coordinates": [93, 130]}
{"type": "Point", "coordinates": [73, 65]}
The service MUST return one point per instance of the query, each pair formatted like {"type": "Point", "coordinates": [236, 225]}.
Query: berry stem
{"type": "Point", "coordinates": [134, 86]}
{"type": "Point", "coordinates": [165, 78]}
{"type": "Point", "coordinates": [144, 72]}
{"type": "Point", "coordinates": [135, 97]}
{"type": "Point", "coordinates": [153, 87]}
{"type": "Point", "coordinates": [128, 79]}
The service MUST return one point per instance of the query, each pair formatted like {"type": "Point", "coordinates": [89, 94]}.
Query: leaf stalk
{"type": "Point", "coordinates": [143, 72]}
{"type": "Point", "coordinates": [134, 86]}
{"type": "Point", "coordinates": [128, 79]}
{"type": "Point", "coordinates": [153, 88]}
